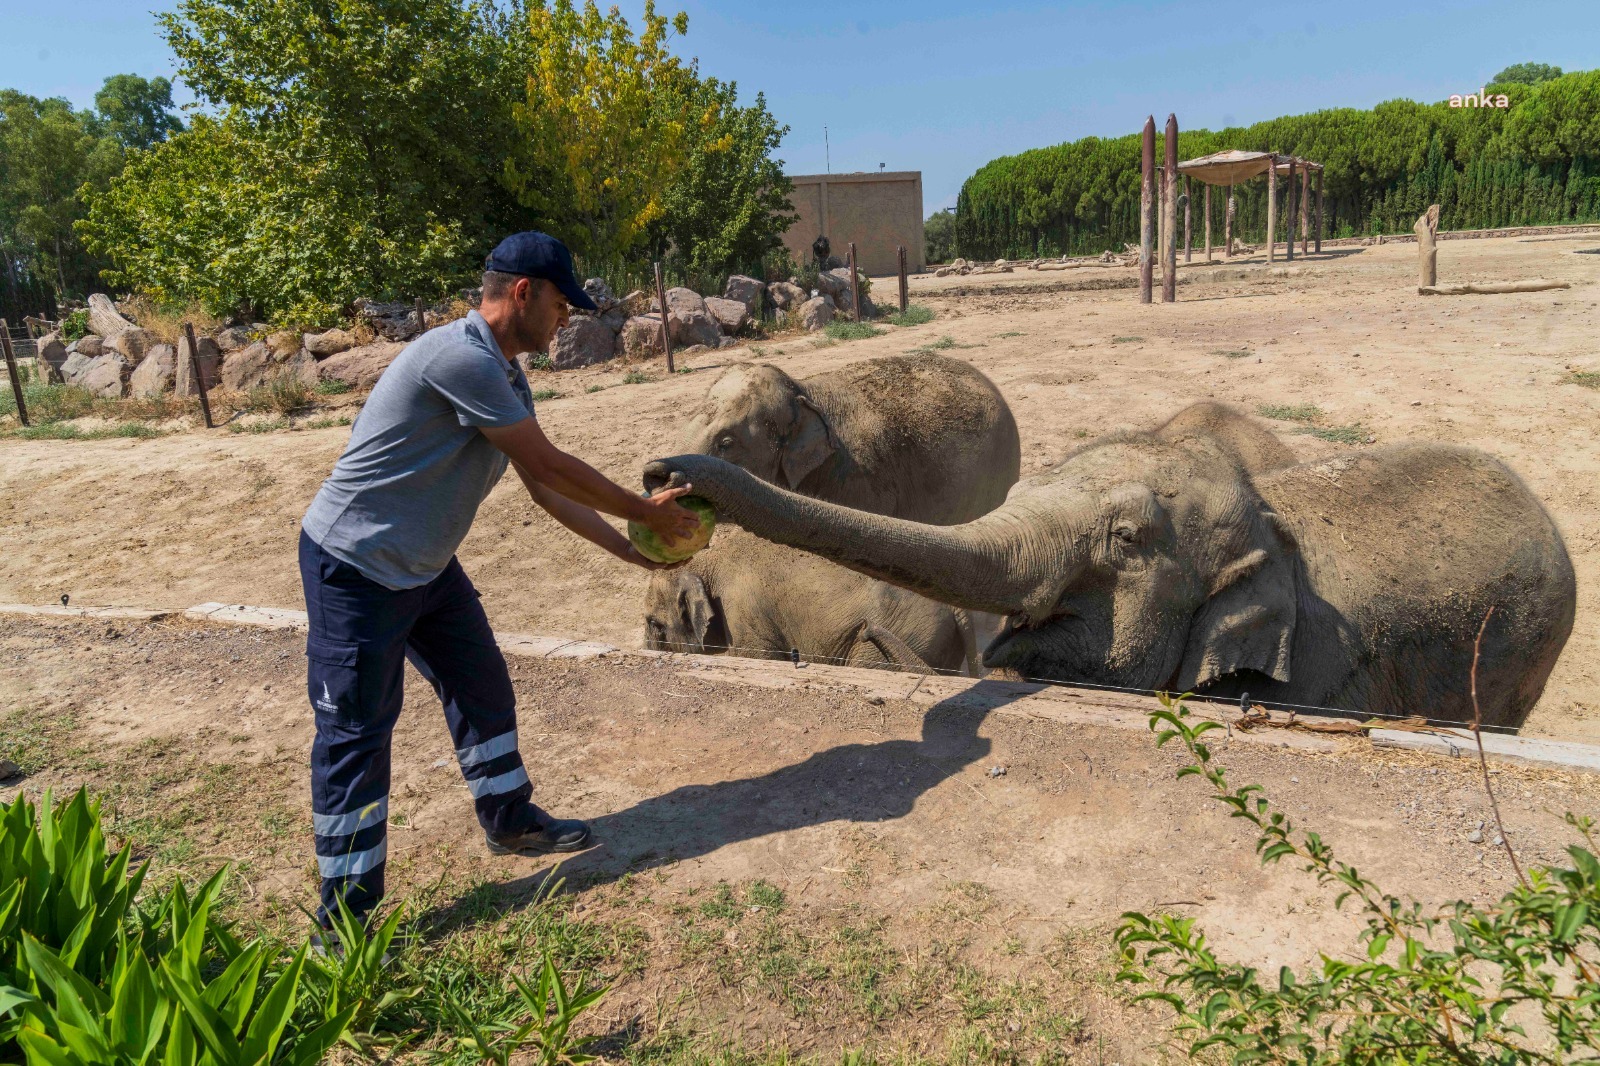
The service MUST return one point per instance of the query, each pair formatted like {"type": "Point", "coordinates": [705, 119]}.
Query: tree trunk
{"type": "Point", "coordinates": [1427, 230]}
{"type": "Point", "coordinates": [1147, 194]}
{"type": "Point", "coordinates": [1169, 215]}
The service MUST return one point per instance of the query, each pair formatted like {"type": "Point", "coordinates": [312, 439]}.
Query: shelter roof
{"type": "Point", "coordinates": [1237, 165]}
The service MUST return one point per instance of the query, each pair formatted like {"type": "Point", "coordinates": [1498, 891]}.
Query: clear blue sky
{"type": "Point", "coordinates": [943, 87]}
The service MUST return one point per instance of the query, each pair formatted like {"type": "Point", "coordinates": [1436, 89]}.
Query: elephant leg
{"type": "Point", "coordinates": [875, 642]}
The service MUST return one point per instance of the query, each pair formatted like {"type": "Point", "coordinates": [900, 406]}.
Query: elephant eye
{"type": "Point", "coordinates": [1126, 532]}
{"type": "Point", "coordinates": [724, 444]}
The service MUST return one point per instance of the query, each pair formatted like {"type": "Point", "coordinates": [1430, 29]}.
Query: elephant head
{"type": "Point", "coordinates": [759, 418]}
{"type": "Point", "coordinates": [1138, 562]}
{"type": "Point", "coordinates": [681, 615]}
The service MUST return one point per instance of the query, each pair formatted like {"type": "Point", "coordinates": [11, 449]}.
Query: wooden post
{"type": "Point", "coordinates": [1288, 217]}
{"type": "Point", "coordinates": [666, 334]}
{"type": "Point", "coordinates": [422, 318]}
{"type": "Point", "coordinates": [1147, 198]}
{"type": "Point", "coordinates": [1207, 195]}
{"type": "Point", "coordinates": [1319, 212]}
{"type": "Point", "coordinates": [199, 376]}
{"type": "Point", "coordinates": [855, 287]}
{"type": "Point", "coordinates": [1427, 229]}
{"type": "Point", "coordinates": [1227, 224]}
{"type": "Point", "coordinates": [1161, 215]}
{"type": "Point", "coordinates": [11, 369]}
{"type": "Point", "coordinates": [1188, 235]}
{"type": "Point", "coordinates": [1169, 215]}
{"type": "Point", "coordinates": [1305, 211]}
{"type": "Point", "coordinates": [1272, 209]}
{"type": "Point", "coordinates": [903, 293]}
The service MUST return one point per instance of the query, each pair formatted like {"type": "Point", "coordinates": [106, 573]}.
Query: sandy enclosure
{"type": "Point", "coordinates": [194, 517]}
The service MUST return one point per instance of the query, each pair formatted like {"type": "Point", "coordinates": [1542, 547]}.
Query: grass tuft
{"type": "Point", "coordinates": [913, 315]}
{"type": "Point", "coordinates": [1354, 433]}
{"type": "Point", "coordinates": [1127, 340]}
{"type": "Point", "coordinates": [943, 344]}
{"type": "Point", "coordinates": [1290, 412]}
{"type": "Point", "coordinates": [332, 387]}
{"type": "Point", "coordinates": [1589, 379]}
{"type": "Point", "coordinates": [547, 394]}
{"type": "Point", "coordinates": [636, 377]}
{"type": "Point", "coordinates": [1232, 353]}
{"type": "Point", "coordinates": [845, 330]}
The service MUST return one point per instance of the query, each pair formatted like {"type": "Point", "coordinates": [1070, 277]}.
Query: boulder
{"type": "Point", "coordinates": [155, 372]}
{"type": "Point", "coordinates": [586, 341]}
{"type": "Point", "coordinates": [637, 302]}
{"type": "Point", "coordinates": [681, 299]}
{"type": "Point", "coordinates": [786, 296]}
{"type": "Point", "coordinates": [747, 291]}
{"type": "Point", "coordinates": [104, 318]}
{"type": "Point", "coordinates": [640, 337]}
{"type": "Point", "coordinates": [210, 359]}
{"type": "Point", "coordinates": [689, 328]}
{"type": "Point", "coordinates": [731, 315]}
{"type": "Point", "coordinates": [283, 344]}
{"type": "Point", "coordinates": [52, 354]}
{"type": "Point", "coordinates": [614, 319]}
{"type": "Point", "coordinates": [360, 367]}
{"type": "Point", "coordinates": [107, 376]}
{"type": "Point", "coordinates": [836, 283]}
{"type": "Point", "coordinates": [393, 321]}
{"type": "Point", "coordinates": [133, 343]}
{"type": "Point", "coordinates": [600, 293]}
{"type": "Point", "coordinates": [249, 367]}
{"type": "Point", "coordinates": [302, 365]}
{"type": "Point", "coordinates": [816, 312]}
{"type": "Point", "coordinates": [90, 344]}
{"type": "Point", "coordinates": [232, 339]}
{"type": "Point", "coordinates": [728, 342]}
{"type": "Point", "coordinates": [75, 366]}
{"type": "Point", "coordinates": [331, 342]}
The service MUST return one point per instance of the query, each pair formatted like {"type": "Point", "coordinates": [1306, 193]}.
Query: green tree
{"type": "Point", "coordinates": [135, 111]}
{"type": "Point", "coordinates": [939, 236]}
{"type": "Point", "coordinates": [1526, 74]}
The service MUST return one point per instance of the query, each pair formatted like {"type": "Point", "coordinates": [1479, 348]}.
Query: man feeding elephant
{"type": "Point", "coordinates": [382, 584]}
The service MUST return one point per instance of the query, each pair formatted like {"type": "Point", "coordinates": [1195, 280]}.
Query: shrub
{"type": "Point", "coordinates": [913, 315]}
{"type": "Point", "coordinates": [1290, 412]}
{"type": "Point", "coordinates": [332, 387]}
{"type": "Point", "coordinates": [635, 377]}
{"type": "Point", "coordinates": [540, 361]}
{"type": "Point", "coordinates": [75, 325]}
{"type": "Point", "coordinates": [845, 330]}
{"type": "Point", "coordinates": [1454, 987]}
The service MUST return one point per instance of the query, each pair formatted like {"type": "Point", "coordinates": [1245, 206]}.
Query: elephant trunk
{"type": "Point", "coordinates": [980, 565]}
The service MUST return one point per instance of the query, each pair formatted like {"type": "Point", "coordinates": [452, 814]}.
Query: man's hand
{"type": "Point", "coordinates": [668, 519]}
{"type": "Point", "coordinates": [632, 556]}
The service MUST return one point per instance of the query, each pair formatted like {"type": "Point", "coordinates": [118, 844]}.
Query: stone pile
{"type": "Point", "coordinates": [964, 267]}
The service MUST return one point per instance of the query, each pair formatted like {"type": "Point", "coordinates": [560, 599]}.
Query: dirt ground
{"type": "Point", "coordinates": [194, 517]}
{"type": "Point", "coordinates": [800, 870]}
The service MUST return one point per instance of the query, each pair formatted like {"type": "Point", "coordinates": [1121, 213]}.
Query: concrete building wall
{"type": "Point", "coordinates": [880, 212]}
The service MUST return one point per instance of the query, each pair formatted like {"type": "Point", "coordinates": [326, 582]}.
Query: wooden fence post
{"type": "Point", "coordinates": [1207, 196]}
{"type": "Point", "coordinates": [1319, 212]}
{"type": "Point", "coordinates": [1227, 225]}
{"type": "Point", "coordinates": [199, 375]}
{"type": "Point", "coordinates": [903, 294]}
{"type": "Point", "coordinates": [1169, 215]}
{"type": "Point", "coordinates": [1147, 197]}
{"type": "Point", "coordinates": [11, 369]}
{"type": "Point", "coordinates": [666, 334]}
{"type": "Point", "coordinates": [1188, 234]}
{"type": "Point", "coordinates": [855, 286]}
{"type": "Point", "coordinates": [1272, 209]}
{"type": "Point", "coordinates": [1305, 210]}
{"type": "Point", "coordinates": [1288, 216]}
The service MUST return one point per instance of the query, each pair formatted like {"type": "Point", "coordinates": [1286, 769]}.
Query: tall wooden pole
{"type": "Point", "coordinates": [1227, 225]}
{"type": "Point", "coordinates": [199, 375]}
{"type": "Point", "coordinates": [1147, 208]}
{"type": "Point", "coordinates": [1169, 215]}
{"type": "Point", "coordinates": [666, 334]}
{"type": "Point", "coordinates": [1272, 210]}
{"type": "Point", "coordinates": [855, 287]}
{"type": "Point", "coordinates": [1207, 210]}
{"type": "Point", "coordinates": [1305, 211]}
{"type": "Point", "coordinates": [1319, 212]}
{"type": "Point", "coordinates": [1288, 217]}
{"type": "Point", "coordinates": [1188, 235]}
{"type": "Point", "coordinates": [1161, 214]}
{"type": "Point", "coordinates": [903, 293]}
{"type": "Point", "coordinates": [11, 369]}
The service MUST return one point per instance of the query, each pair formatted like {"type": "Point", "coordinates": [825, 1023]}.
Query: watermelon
{"type": "Point", "coordinates": [654, 548]}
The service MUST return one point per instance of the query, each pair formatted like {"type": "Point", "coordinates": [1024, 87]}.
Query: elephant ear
{"type": "Point", "coordinates": [810, 442]}
{"type": "Point", "coordinates": [694, 604]}
{"type": "Point", "coordinates": [1248, 620]}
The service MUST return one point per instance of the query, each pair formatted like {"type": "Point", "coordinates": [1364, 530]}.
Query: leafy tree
{"type": "Point", "coordinates": [135, 111]}
{"type": "Point", "coordinates": [939, 236]}
{"type": "Point", "coordinates": [1527, 74]}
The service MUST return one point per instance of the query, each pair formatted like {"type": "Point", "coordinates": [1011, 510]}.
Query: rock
{"type": "Point", "coordinates": [132, 343]}
{"type": "Point", "coordinates": [104, 318]}
{"type": "Point", "coordinates": [584, 342]}
{"type": "Point", "coordinates": [232, 339]}
{"type": "Point", "coordinates": [786, 296]}
{"type": "Point", "coordinates": [696, 349]}
{"type": "Point", "coordinates": [600, 293]}
{"type": "Point", "coordinates": [681, 299]}
{"type": "Point", "coordinates": [53, 354]}
{"type": "Point", "coordinates": [9, 770]}
{"type": "Point", "coordinates": [155, 373]}
{"type": "Point", "coordinates": [731, 315]}
{"type": "Point", "coordinates": [249, 367]}
{"type": "Point", "coordinates": [210, 359]}
{"type": "Point", "coordinates": [302, 365]}
{"type": "Point", "coordinates": [107, 376]}
{"type": "Point", "coordinates": [693, 327]}
{"type": "Point", "coordinates": [640, 337]}
{"type": "Point", "coordinates": [728, 342]}
{"type": "Point", "coordinates": [816, 313]}
{"type": "Point", "coordinates": [746, 290]}
{"type": "Point", "coordinates": [614, 319]}
{"type": "Point", "coordinates": [75, 366]}
{"type": "Point", "coordinates": [283, 343]}
{"type": "Point", "coordinates": [836, 283]}
{"type": "Point", "coordinates": [959, 264]}
{"type": "Point", "coordinates": [637, 302]}
{"type": "Point", "coordinates": [1475, 837]}
{"type": "Point", "coordinates": [331, 342]}
{"type": "Point", "coordinates": [394, 321]}
{"type": "Point", "coordinates": [360, 367]}
{"type": "Point", "coordinates": [90, 344]}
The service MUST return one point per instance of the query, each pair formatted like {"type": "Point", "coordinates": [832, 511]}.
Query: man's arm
{"type": "Point", "coordinates": [537, 459]}
{"type": "Point", "coordinates": [585, 522]}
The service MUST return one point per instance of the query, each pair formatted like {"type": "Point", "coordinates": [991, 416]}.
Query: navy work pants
{"type": "Point", "coordinates": [360, 638]}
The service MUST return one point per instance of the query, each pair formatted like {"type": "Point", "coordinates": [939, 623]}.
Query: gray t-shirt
{"type": "Point", "coordinates": [404, 493]}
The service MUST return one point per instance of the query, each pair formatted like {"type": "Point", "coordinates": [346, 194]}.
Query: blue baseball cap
{"type": "Point", "coordinates": [539, 255]}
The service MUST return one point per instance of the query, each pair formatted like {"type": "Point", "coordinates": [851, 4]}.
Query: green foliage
{"type": "Point", "coordinates": [1458, 986]}
{"type": "Point", "coordinates": [540, 361]}
{"type": "Point", "coordinates": [1589, 379]}
{"type": "Point", "coordinates": [137, 112]}
{"type": "Point", "coordinates": [635, 377]}
{"type": "Point", "coordinates": [1526, 74]}
{"type": "Point", "coordinates": [842, 329]}
{"type": "Point", "coordinates": [332, 387]}
{"type": "Point", "coordinates": [1537, 161]}
{"type": "Point", "coordinates": [546, 394]}
{"type": "Point", "coordinates": [939, 236]}
{"type": "Point", "coordinates": [1290, 412]}
{"type": "Point", "coordinates": [913, 315]}
{"type": "Point", "coordinates": [75, 326]}
{"type": "Point", "coordinates": [544, 1038]}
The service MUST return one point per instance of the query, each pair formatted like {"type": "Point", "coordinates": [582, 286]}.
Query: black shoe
{"type": "Point", "coordinates": [546, 835]}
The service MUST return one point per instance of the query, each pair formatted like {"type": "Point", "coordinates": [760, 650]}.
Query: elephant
{"type": "Point", "coordinates": [758, 598]}
{"type": "Point", "coordinates": [1356, 583]}
{"type": "Point", "coordinates": [921, 437]}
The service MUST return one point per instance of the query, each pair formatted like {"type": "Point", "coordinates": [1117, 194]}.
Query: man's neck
{"type": "Point", "coordinates": [505, 337]}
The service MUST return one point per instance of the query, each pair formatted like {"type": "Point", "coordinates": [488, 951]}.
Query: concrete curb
{"type": "Point", "coordinates": [1060, 703]}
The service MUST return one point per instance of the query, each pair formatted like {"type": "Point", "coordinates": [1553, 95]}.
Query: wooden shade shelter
{"type": "Point", "coordinates": [1234, 166]}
